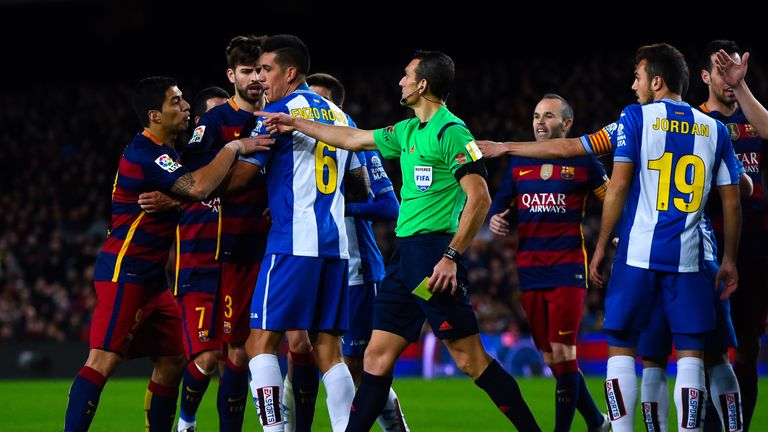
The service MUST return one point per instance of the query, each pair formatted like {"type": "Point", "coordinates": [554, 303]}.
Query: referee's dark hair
{"type": "Point", "coordinates": [289, 51]}
{"type": "Point", "coordinates": [149, 95]}
{"type": "Point", "coordinates": [331, 83]}
{"type": "Point", "coordinates": [200, 102]}
{"type": "Point", "coordinates": [437, 68]}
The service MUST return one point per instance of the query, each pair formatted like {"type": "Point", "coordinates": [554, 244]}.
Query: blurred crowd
{"type": "Point", "coordinates": [61, 145]}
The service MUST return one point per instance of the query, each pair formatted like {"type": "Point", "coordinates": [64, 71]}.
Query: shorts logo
{"type": "Point", "coordinates": [165, 162]}
{"type": "Point", "coordinates": [731, 407]}
{"type": "Point", "coordinates": [268, 404]}
{"type": "Point", "coordinates": [203, 335]}
{"type": "Point", "coordinates": [254, 315]}
{"type": "Point", "coordinates": [197, 135]}
{"type": "Point", "coordinates": [546, 171]}
{"type": "Point", "coordinates": [615, 401]}
{"type": "Point", "coordinates": [567, 173]}
{"type": "Point", "coordinates": [227, 327]}
{"type": "Point", "coordinates": [692, 401]}
{"type": "Point", "coordinates": [651, 416]}
{"type": "Point", "coordinates": [422, 175]}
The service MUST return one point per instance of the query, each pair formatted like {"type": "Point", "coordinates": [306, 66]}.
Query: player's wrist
{"type": "Point", "coordinates": [236, 146]}
{"type": "Point", "coordinates": [452, 254]}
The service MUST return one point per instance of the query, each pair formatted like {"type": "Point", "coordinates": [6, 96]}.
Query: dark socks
{"type": "Point", "coordinates": [566, 394]}
{"type": "Point", "coordinates": [160, 406]}
{"type": "Point", "coordinates": [505, 393]}
{"type": "Point", "coordinates": [83, 399]}
{"type": "Point", "coordinates": [232, 397]}
{"type": "Point", "coordinates": [369, 401]}
{"type": "Point", "coordinates": [193, 388]}
{"type": "Point", "coordinates": [305, 384]}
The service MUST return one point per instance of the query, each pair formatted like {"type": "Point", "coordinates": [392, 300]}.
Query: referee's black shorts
{"type": "Point", "coordinates": [398, 310]}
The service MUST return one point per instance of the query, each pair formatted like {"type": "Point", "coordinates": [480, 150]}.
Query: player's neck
{"type": "Point", "coordinates": [158, 134]}
{"type": "Point", "coordinates": [666, 93]}
{"type": "Point", "coordinates": [714, 104]}
{"type": "Point", "coordinates": [425, 109]}
{"type": "Point", "coordinates": [249, 106]}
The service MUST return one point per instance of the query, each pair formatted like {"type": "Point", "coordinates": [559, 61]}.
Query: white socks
{"type": "Point", "coordinates": [391, 418]}
{"type": "Point", "coordinates": [266, 388]}
{"type": "Point", "coordinates": [654, 399]}
{"type": "Point", "coordinates": [340, 391]}
{"type": "Point", "coordinates": [724, 391]}
{"type": "Point", "coordinates": [289, 405]}
{"type": "Point", "coordinates": [690, 393]}
{"type": "Point", "coordinates": [621, 392]}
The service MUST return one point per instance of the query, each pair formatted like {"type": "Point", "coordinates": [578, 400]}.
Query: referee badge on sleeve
{"type": "Point", "coordinates": [473, 150]}
{"type": "Point", "coordinates": [422, 176]}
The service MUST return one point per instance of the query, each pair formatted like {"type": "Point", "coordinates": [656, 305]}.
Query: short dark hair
{"type": "Point", "coordinates": [200, 102]}
{"type": "Point", "coordinates": [714, 46]}
{"type": "Point", "coordinates": [149, 94]}
{"type": "Point", "coordinates": [437, 68]}
{"type": "Point", "coordinates": [244, 50]}
{"type": "Point", "coordinates": [665, 61]}
{"type": "Point", "coordinates": [289, 51]}
{"type": "Point", "coordinates": [331, 83]}
{"type": "Point", "coordinates": [567, 109]}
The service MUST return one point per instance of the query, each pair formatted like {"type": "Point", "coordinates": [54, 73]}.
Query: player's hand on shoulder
{"type": "Point", "coordinates": [498, 223]}
{"type": "Point", "coordinates": [443, 277]}
{"type": "Point", "coordinates": [490, 149]}
{"type": "Point", "coordinates": [276, 123]}
{"type": "Point", "coordinates": [154, 202]}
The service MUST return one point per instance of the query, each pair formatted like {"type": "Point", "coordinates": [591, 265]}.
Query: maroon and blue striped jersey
{"type": "Point", "coordinates": [137, 245]}
{"type": "Point", "coordinates": [210, 231]}
{"type": "Point", "coordinates": [550, 198]}
{"type": "Point", "coordinates": [751, 151]}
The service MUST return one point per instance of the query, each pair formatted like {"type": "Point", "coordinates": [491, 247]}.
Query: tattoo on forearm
{"type": "Point", "coordinates": [183, 185]}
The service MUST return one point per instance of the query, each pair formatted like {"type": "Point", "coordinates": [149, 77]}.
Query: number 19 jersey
{"type": "Point", "coordinates": [679, 154]}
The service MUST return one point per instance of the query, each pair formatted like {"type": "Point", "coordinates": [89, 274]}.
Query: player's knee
{"type": "Point", "coordinates": [169, 369]}
{"type": "Point", "coordinates": [104, 362]}
{"type": "Point", "coordinates": [298, 342]}
{"type": "Point", "coordinates": [562, 353]}
{"type": "Point", "coordinates": [208, 360]}
{"type": "Point", "coordinates": [355, 365]}
{"type": "Point", "coordinates": [378, 361]}
{"type": "Point", "coordinates": [238, 356]}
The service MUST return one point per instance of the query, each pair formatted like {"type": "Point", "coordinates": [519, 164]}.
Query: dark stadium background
{"type": "Point", "coordinates": [65, 115]}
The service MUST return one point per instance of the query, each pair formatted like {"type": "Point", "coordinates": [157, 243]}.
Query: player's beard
{"type": "Point", "coordinates": [243, 93]}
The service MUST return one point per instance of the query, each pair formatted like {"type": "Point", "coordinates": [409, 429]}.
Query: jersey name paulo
{"type": "Point", "coordinates": [137, 246]}
{"type": "Point", "coordinates": [680, 154]}
{"type": "Point", "coordinates": [305, 182]}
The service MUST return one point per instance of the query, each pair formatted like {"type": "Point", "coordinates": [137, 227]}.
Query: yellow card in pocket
{"type": "Point", "coordinates": [422, 290]}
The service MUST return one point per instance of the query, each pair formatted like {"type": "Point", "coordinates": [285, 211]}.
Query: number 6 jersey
{"type": "Point", "coordinates": [680, 154]}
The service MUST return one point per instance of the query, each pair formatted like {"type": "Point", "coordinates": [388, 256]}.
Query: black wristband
{"type": "Point", "coordinates": [452, 254]}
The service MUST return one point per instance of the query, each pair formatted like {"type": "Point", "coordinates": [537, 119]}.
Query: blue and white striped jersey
{"type": "Point", "coordinates": [305, 182]}
{"type": "Point", "coordinates": [680, 154]}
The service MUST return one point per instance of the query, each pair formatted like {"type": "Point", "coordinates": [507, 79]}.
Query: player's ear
{"type": "Point", "coordinates": [657, 83]}
{"type": "Point", "coordinates": [705, 77]}
{"type": "Point", "coordinates": [154, 116]}
{"type": "Point", "coordinates": [291, 74]}
{"type": "Point", "coordinates": [231, 75]}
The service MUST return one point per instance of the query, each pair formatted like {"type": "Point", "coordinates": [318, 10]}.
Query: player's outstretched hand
{"type": "Point", "coordinates": [490, 149]}
{"type": "Point", "coordinates": [267, 215]}
{"type": "Point", "coordinates": [733, 73]}
{"type": "Point", "coordinates": [729, 276]}
{"type": "Point", "coordinates": [276, 123]}
{"type": "Point", "coordinates": [499, 224]}
{"type": "Point", "coordinates": [153, 202]}
{"type": "Point", "coordinates": [256, 143]}
{"type": "Point", "coordinates": [595, 273]}
{"type": "Point", "coordinates": [443, 277]}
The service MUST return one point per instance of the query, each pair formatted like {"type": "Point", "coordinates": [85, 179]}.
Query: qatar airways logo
{"type": "Point", "coordinates": [214, 204]}
{"type": "Point", "coordinates": [543, 202]}
{"type": "Point", "coordinates": [751, 161]}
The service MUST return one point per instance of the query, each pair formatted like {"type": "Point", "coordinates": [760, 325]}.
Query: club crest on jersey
{"type": "Point", "coordinates": [227, 327]}
{"type": "Point", "coordinates": [546, 171]}
{"type": "Point", "coordinates": [733, 130]}
{"type": "Point", "coordinates": [203, 335]}
{"type": "Point", "coordinates": [197, 135]}
{"type": "Point", "coordinates": [567, 173]}
{"type": "Point", "coordinates": [750, 130]}
{"type": "Point", "coordinates": [422, 175]}
{"type": "Point", "coordinates": [165, 162]}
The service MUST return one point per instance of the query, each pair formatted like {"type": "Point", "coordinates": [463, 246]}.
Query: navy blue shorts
{"type": "Point", "coordinates": [656, 340]}
{"type": "Point", "coordinates": [361, 299]}
{"type": "Point", "coordinates": [399, 311]}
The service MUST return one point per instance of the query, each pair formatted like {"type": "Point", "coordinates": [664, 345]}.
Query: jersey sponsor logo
{"type": "Point", "coordinates": [692, 401]}
{"type": "Point", "coordinates": [615, 401]}
{"type": "Point", "coordinates": [543, 202]}
{"type": "Point", "coordinates": [214, 204]}
{"type": "Point", "coordinates": [546, 171]}
{"type": "Point", "coordinates": [197, 135]}
{"type": "Point", "coordinates": [422, 175]}
{"type": "Point", "coordinates": [473, 150]}
{"type": "Point", "coordinates": [751, 161]}
{"type": "Point", "coordinates": [567, 173]}
{"type": "Point", "coordinates": [165, 162]}
{"type": "Point", "coordinates": [377, 169]}
{"type": "Point", "coordinates": [731, 407]}
{"type": "Point", "coordinates": [621, 137]}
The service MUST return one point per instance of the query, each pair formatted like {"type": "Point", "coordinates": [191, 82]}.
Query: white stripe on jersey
{"type": "Point", "coordinates": [355, 260]}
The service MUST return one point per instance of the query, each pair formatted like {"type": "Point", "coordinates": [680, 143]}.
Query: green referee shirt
{"type": "Point", "coordinates": [430, 153]}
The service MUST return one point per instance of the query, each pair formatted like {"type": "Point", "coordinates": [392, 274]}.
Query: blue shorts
{"type": "Point", "coordinates": [298, 292]}
{"type": "Point", "coordinates": [686, 301]}
{"type": "Point", "coordinates": [361, 299]}
{"type": "Point", "coordinates": [656, 340]}
{"type": "Point", "coordinates": [397, 310]}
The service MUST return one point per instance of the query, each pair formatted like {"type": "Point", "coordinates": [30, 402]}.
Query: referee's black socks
{"type": "Point", "coordinates": [505, 393]}
{"type": "Point", "coordinates": [369, 401]}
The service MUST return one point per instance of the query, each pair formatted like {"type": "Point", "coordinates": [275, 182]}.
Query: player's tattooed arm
{"type": "Point", "coordinates": [184, 186]}
{"type": "Point", "coordinates": [358, 185]}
